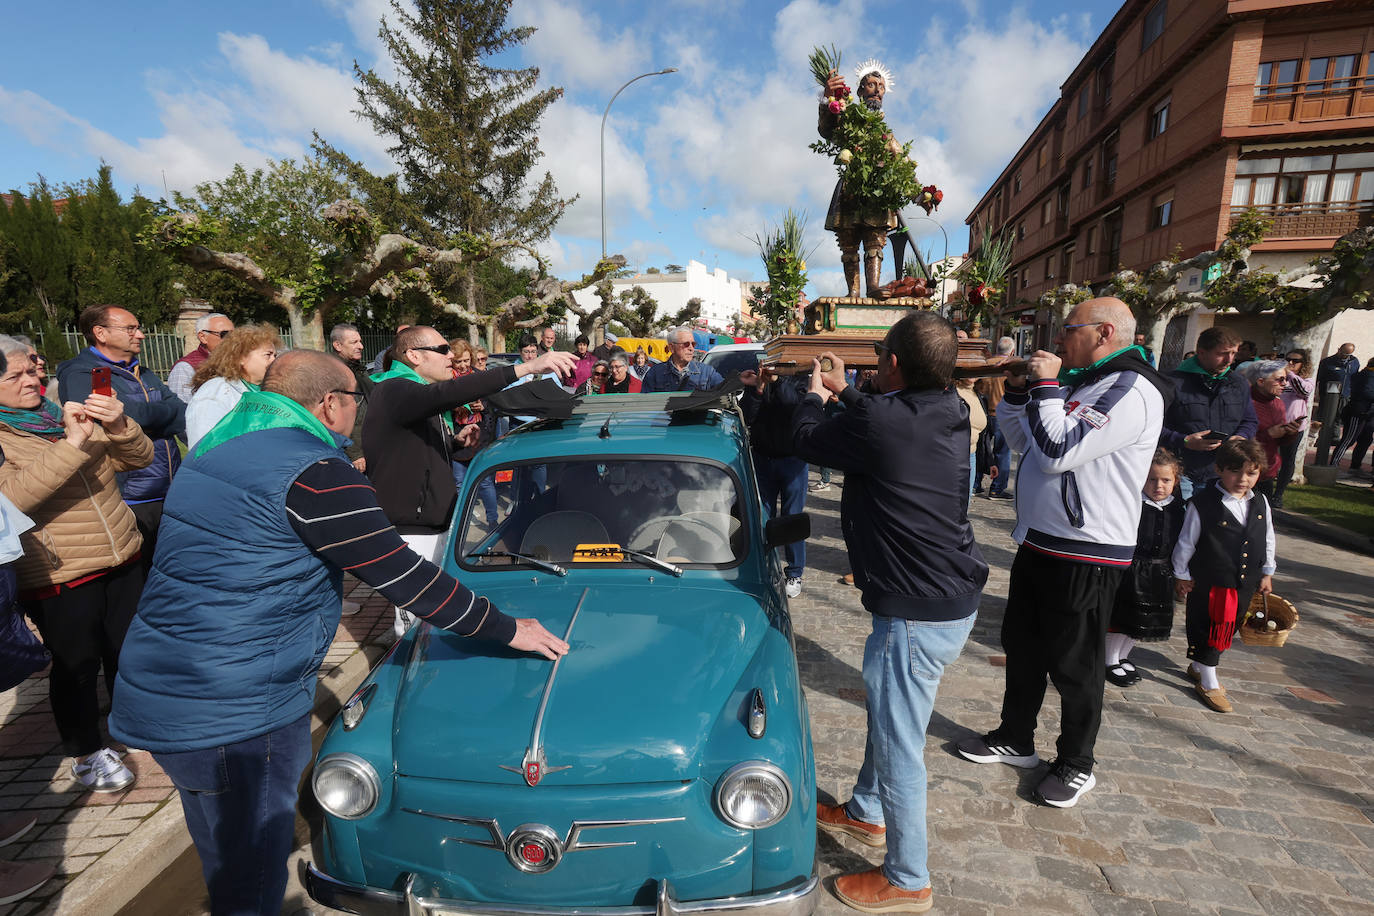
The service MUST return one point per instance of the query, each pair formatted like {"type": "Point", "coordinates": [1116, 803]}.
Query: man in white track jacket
{"type": "Point", "coordinates": [1086, 435]}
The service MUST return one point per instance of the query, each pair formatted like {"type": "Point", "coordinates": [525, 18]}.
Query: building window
{"type": "Point", "coordinates": [1021, 231]}
{"type": "Point", "coordinates": [1322, 182]}
{"type": "Point", "coordinates": [1083, 101]}
{"type": "Point", "coordinates": [1162, 210]}
{"type": "Point", "coordinates": [1016, 184]}
{"type": "Point", "coordinates": [1043, 158]}
{"type": "Point", "coordinates": [1090, 240]}
{"type": "Point", "coordinates": [1159, 118]}
{"type": "Point", "coordinates": [1277, 78]}
{"type": "Point", "coordinates": [1369, 71]}
{"type": "Point", "coordinates": [1329, 74]}
{"type": "Point", "coordinates": [1049, 268]}
{"type": "Point", "coordinates": [1046, 212]}
{"type": "Point", "coordinates": [1154, 23]}
{"type": "Point", "coordinates": [1025, 278]}
{"type": "Point", "coordinates": [1088, 172]}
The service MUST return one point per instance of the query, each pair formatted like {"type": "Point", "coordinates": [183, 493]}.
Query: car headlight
{"type": "Point", "coordinates": [753, 795]}
{"type": "Point", "coordinates": [346, 786]}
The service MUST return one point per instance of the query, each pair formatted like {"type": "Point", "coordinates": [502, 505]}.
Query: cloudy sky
{"type": "Point", "coordinates": [697, 162]}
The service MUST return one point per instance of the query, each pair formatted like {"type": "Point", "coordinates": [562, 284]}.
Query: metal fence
{"type": "Point", "coordinates": [163, 347]}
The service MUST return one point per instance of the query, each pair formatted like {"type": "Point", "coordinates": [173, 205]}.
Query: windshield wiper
{"type": "Point", "coordinates": [651, 560]}
{"type": "Point", "coordinates": [533, 561]}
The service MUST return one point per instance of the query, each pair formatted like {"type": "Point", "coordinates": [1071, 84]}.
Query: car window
{"type": "Point", "coordinates": [731, 362]}
{"type": "Point", "coordinates": [582, 513]}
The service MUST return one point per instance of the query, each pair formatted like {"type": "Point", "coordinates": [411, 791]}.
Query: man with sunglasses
{"type": "Point", "coordinates": [409, 434]}
{"type": "Point", "coordinates": [210, 330]}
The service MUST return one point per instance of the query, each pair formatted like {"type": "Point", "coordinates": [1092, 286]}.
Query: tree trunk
{"type": "Point", "coordinates": [307, 332]}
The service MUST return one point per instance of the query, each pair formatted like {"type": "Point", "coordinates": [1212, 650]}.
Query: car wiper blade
{"type": "Point", "coordinates": [651, 560]}
{"type": "Point", "coordinates": [533, 561]}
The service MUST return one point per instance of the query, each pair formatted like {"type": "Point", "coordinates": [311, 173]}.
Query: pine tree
{"type": "Point", "coordinates": [463, 131]}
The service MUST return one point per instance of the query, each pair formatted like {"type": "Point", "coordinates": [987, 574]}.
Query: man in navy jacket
{"type": "Point", "coordinates": [1211, 404]}
{"type": "Point", "coordinates": [906, 462]}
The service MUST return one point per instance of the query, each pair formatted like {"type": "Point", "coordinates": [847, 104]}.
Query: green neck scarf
{"type": "Point", "coordinates": [259, 410]}
{"type": "Point", "coordinates": [401, 370]}
{"type": "Point", "coordinates": [1191, 365]}
{"type": "Point", "coordinates": [1071, 376]}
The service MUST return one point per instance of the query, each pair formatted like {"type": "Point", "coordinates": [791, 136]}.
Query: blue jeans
{"type": "Point", "coordinates": [903, 662]}
{"type": "Point", "coordinates": [782, 487]}
{"type": "Point", "coordinates": [239, 801]}
{"type": "Point", "coordinates": [486, 490]}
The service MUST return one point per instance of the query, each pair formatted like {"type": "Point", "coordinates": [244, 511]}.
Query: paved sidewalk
{"type": "Point", "coordinates": [1266, 810]}
{"type": "Point", "coordinates": [107, 846]}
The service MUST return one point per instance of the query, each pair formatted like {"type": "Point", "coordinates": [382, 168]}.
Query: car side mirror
{"type": "Point", "coordinates": [786, 529]}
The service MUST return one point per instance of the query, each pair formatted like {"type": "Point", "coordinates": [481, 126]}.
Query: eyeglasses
{"type": "Point", "coordinates": [598, 375]}
{"type": "Point", "coordinates": [1086, 324]}
{"type": "Point", "coordinates": [130, 329]}
{"type": "Point", "coordinates": [1295, 359]}
{"type": "Point", "coordinates": [358, 397]}
{"type": "Point", "coordinates": [220, 334]}
{"type": "Point", "coordinates": [442, 349]}
{"type": "Point", "coordinates": [880, 348]}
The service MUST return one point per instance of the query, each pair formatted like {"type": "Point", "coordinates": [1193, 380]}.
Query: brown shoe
{"type": "Point", "coordinates": [1214, 699]}
{"type": "Point", "coordinates": [848, 579]}
{"type": "Point", "coordinates": [871, 892]}
{"type": "Point", "coordinates": [835, 819]}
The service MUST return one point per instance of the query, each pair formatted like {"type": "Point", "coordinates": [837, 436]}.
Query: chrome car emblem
{"type": "Point", "coordinates": [536, 848]}
{"type": "Point", "coordinates": [534, 766]}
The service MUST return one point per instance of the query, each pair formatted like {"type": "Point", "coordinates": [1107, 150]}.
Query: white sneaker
{"type": "Point", "coordinates": [793, 587]}
{"type": "Point", "coordinates": [819, 486]}
{"type": "Point", "coordinates": [102, 772]}
{"type": "Point", "coordinates": [402, 622]}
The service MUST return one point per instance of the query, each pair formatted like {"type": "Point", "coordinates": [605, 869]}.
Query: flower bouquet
{"type": "Point", "coordinates": [876, 172]}
{"type": "Point", "coordinates": [784, 261]}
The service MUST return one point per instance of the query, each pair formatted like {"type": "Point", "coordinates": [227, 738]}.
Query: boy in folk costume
{"type": "Point", "coordinates": [1225, 551]}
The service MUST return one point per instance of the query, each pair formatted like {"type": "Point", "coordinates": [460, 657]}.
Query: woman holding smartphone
{"type": "Point", "coordinates": [80, 576]}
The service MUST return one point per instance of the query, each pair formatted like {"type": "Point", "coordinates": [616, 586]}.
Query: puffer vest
{"type": "Point", "coordinates": [237, 613]}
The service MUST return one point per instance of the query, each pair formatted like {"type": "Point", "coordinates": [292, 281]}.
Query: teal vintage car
{"type": "Point", "coordinates": [664, 765]}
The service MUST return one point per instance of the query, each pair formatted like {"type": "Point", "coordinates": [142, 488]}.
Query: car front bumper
{"type": "Point", "coordinates": [797, 899]}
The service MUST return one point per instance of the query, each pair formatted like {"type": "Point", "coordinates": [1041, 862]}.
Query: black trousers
{"type": "Point", "coordinates": [149, 517]}
{"type": "Point", "coordinates": [1055, 627]}
{"type": "Point", "coordinates": [84, 628]}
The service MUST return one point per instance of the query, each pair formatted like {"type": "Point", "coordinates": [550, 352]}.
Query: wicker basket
{"type": "Point", "coordinates": [1279, 610]}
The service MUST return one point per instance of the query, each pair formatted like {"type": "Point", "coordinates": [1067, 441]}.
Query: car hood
{"type": "Point", "coordinates": [634, 700]}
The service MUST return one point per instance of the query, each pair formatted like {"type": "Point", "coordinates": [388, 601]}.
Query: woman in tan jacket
{"type": "Point", "coordinates": [79, 578]}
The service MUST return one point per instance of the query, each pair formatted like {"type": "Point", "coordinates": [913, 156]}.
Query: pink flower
{"type": "Point", "coordinates": [836, 106]}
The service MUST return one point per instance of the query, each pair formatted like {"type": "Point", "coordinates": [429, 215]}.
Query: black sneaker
{"type": "Point", "coordinates": [987, 749]}
{"type": "Point", "coordinates": [1064, 785]}
{"type": "Point", "coordinates": [1001, 495]}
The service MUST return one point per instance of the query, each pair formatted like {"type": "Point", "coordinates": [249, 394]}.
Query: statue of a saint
{"type": "Point", "coordinates": [852, 223]}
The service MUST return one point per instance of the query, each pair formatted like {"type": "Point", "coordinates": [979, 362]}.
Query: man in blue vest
{"type": "Point", "coordinates": [218, 671]}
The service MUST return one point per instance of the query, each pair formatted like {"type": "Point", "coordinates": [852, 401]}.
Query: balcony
{"type": "Point", "coordinates": [1314, 220]}
{"type": "Point", "coordinates": [1314, 100]}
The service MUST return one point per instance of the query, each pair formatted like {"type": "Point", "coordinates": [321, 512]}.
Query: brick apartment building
{"type": "Point", "coordinates": [1182, 114]}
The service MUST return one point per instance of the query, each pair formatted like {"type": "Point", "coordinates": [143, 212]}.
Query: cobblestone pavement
{"type": "Point", "coordinates": [1265, 810]}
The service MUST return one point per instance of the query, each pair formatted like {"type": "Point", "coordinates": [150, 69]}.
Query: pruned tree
{"type": "Point", "coordinates": [359, 261]}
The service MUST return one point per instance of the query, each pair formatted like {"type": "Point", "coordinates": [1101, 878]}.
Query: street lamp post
{"type": "Point", "coordinates": [603, 148]}
{"type": "Point", "coordinates": [945, 262]}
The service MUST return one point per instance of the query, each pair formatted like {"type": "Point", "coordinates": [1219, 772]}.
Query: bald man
{"type": "Point", "coordinates": [1087, 423]}
{"type": "Point", "coordinates": [217, 676]}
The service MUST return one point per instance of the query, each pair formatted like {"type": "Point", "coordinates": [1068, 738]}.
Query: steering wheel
{"type": "Point", "coordinates": [639, 541]}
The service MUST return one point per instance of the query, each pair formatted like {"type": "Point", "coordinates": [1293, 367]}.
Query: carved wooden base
{"type": "Point", "coordinates": [794, 352]}
{"type": "Point", "coordinates": [858, 316]}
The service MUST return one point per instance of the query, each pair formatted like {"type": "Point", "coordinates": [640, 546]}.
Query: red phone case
{"type": "Point", "coordinates": [100, 381]}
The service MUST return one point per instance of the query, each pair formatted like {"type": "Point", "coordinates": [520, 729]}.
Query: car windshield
{"type": "Point", "coordinates": [594, 512]}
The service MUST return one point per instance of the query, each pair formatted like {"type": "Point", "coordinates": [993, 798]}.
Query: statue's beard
{"type": "Point", "coordinates": [874, 103]}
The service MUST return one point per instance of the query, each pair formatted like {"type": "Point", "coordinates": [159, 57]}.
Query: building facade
{"type": "Point", "coordinates": [1180, 116]}
{"type": "Point", "coordinates": [720, 296]}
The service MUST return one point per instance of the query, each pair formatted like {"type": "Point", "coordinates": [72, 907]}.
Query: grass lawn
{"type": "Point", "coordinates": [1351, 508]}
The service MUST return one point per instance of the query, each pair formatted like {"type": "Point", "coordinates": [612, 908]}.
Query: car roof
{"type": "Point", "coordinates": [630, 425]}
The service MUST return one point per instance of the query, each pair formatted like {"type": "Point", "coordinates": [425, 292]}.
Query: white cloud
{"type": "Point", "coordinates": [570, 137]}
{"type": "Point", "coordinates": [575, 48]}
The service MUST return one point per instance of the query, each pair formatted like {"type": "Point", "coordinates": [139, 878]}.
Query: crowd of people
{"type": "Point", "coordinates": [126, 500]}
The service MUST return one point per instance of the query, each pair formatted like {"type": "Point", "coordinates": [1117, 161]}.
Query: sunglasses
{"type": "Point", "coordinates": [442, 349]}
{"type": "Point", "coordinates": [220, 334]}
{"type": "Point", "coordinates": [1295, 359]}
{"type": "Point", "coordinates": [880, 348]}
{"type": "Point", "coordinates": [357, 396]}
{"type": "Point", "coordinates": [598, 375]}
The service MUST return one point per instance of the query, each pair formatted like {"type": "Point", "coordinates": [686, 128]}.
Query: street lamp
{"type": "Point", "coordinates": [945, 262]}
{"type": "Point", "coordinates": [603, 149]}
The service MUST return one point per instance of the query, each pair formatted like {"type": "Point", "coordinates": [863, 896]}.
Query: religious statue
{"type": "Point", "coordinates": [867, 200]}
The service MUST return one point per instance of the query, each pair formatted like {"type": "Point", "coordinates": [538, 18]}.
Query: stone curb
{"type": "Point", "coordinates": [1326, 532]}
{"type": "Point", "coordinates": [138, 859]}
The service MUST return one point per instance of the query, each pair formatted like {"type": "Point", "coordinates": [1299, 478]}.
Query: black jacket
{"type": "Point", "coordinates": [410, 454]}
{"type": "Point", "coordinates": [769, 415]}
{"type": "Point", "coordinates": [906, 462]}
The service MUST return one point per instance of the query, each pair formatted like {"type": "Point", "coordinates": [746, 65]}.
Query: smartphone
{"type": "Point", "coordinates": [1213, 437]}
{"type": "Point", "coordinates": [100, 381]}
